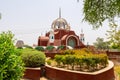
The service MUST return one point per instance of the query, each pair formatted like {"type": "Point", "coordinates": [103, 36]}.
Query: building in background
{"type": "Point", "coordinates": [61, 34]}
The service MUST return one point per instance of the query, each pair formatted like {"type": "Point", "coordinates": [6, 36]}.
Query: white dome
{"type": "Point", "coordinates": [59, 23]}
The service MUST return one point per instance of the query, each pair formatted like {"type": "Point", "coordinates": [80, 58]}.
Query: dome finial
{"type": "Point", "coordinates": [59, 12]}
{"type": "Point", "coordinates": [81, 30]}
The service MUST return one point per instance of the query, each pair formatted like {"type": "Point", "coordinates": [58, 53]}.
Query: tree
{"type": "Point", "coordinates": [97, 11]}
{"type": "Point", "coordinates": [113, 36]}
{"type": "Point", "coordinates": [100, 44]}
{"type": "Point", "coordinates": [11, 65]}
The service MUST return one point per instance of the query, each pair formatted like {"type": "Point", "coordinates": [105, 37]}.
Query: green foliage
{"type": "Point", "coordinates": [97, 11]}
{"type": "Point", "coordinates": [49, 62]}
{"type": "Point", "coordinates": [11, 65]}
{"type": "Point", "coordinates": [49, 48]}
{"type": "Point", "coordinates": [61, 47]}
{"type": "Point", "coordinates": [18, 51]}
{"type": "Point", "coordinates": [68, 52]}
{"type": "Point", "coordinates": [101, 44]}
{"type": "Point", "coordinates": [113, 36]}
{"type": "Point", "coordinates": [27, 46]}
{"type": "Point", "coordinates": [58, 59]}
{"type": "Point", "coordinates": [117, 70]}
{"type": "Point", "coordinates": [19, 47]}
{"type": "Point", "coordinates": [84, 58]}
{"type": "Point", "coordinates": [39, 48]}
{"type": "Point", "coordinates": [33, 58]}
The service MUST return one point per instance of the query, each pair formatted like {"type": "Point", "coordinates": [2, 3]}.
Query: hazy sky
{"type": "Point", "coordinates": [28, 19]}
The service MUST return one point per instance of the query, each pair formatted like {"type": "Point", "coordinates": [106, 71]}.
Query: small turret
{"type": "Point", "coordinates": [82, 38]}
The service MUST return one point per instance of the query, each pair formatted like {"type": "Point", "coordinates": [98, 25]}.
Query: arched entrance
{"type": "Point", "coordinates": [72, 42]}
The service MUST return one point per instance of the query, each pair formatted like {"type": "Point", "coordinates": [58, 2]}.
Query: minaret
{"type": "Point", "coordinates": [82, 38]}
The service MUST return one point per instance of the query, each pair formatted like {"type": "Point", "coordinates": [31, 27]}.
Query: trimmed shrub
{"type": "Point", "coordinates": [49, 48]}
{"type": "Point", "coordinates": [67, 52]}
{"type": "Point", "coordinates": [58, 59]}
{"type": "Point", "coordinates": [11, 65]}
{"type": "Point", "coordinates": [117, 70]}
{"type": "Point", "coordinates": [33, 58]}
{"type": "Point", "coordinates": [27, 46]}
{"type": "Point", "coordinates": [39, 48]}
{"type": "Point", "coordinates": [82, 58]}
{"type": "Point", "coordinates": [60, 47]}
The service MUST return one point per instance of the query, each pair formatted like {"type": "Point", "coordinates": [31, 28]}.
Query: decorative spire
{"type": "Point", "coordinates": [82, 38]}
{"type": "Point", "coordinates": [82, 31]}
{"type": "Point", "coordinates": [59, 12]}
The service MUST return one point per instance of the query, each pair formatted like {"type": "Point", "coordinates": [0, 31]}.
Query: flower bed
{"type": "Point", "coordinates": [81, 60]}
{"type": "Point", "coordinates": [54, 73]}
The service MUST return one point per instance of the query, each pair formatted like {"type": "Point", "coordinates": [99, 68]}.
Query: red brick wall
{"type": "Point", "coordinates": [113, 53]}
{"type": "Point", "coordinates": [32, 74]}
{"type": "Point", "coordinates": [56, 74]}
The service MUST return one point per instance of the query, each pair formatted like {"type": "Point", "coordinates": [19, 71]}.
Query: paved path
{"type": "Point", "coordinates": [43, 78]}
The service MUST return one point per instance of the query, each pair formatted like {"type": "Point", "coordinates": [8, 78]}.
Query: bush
{"type": "Point", "coordinates": [27, 46]}
{"type": "Point", "coordinates": [49, 48]}
{"type": "Point", "coordinates": [33, 58]}
{"type": "Point", "coordinates": [68, 52]}
{"type": "Point", "coordinates": [39, 48]}
{"type": "Point", "coordinates": [117, 70]}
{"type": "Point", "coordinates": [82, 58]}
{"type": "Point", "coordinates": [49, 62]}
{"type": "Point", "coordinates": [60, 47]}
{"type": "Point", "coordinates": [11, 65]}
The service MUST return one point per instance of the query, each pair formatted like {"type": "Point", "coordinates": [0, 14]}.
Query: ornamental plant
{"type": "Point", "coordinates": [28, 46]}
{"type": "Point", "coordinates": [84, 59]}
{"type": "Point", "coordinates": [39, 48]}
{"type": "Point", "coordinates": [61, 47]}
{"type": "Point", "coordinates": [32, 57]}
{"type": "Point", "coordinates": [117, 70]}
{"type": "Point", "coordinates": [49, 48]}
{"type": "Point", "coordinates": [11, 65]}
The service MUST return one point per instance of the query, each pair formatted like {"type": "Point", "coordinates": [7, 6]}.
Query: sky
{"type": "Point", "coordinates": [29, 19]}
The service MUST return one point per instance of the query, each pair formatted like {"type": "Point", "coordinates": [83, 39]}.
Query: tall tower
{"type": "Point", "coordinates": [82, 38]}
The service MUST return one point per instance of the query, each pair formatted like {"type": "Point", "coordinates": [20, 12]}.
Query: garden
{"type": "Point", "coordinates": [80, 60]}
{"type": "Point", "coordinates": [29, 63]}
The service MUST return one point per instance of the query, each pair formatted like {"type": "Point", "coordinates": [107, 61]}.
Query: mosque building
{"type": "Point", "coordinates": [61, 34]}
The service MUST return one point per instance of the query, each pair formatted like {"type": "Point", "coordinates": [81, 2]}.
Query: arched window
{"type": "Point", "coordinates": [52, 37]}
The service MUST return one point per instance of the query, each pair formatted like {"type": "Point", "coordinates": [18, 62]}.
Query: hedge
{"type": "Point", "coordinates": [33, 58]}
{"type": "Point", "coordinates": [85, 61]}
